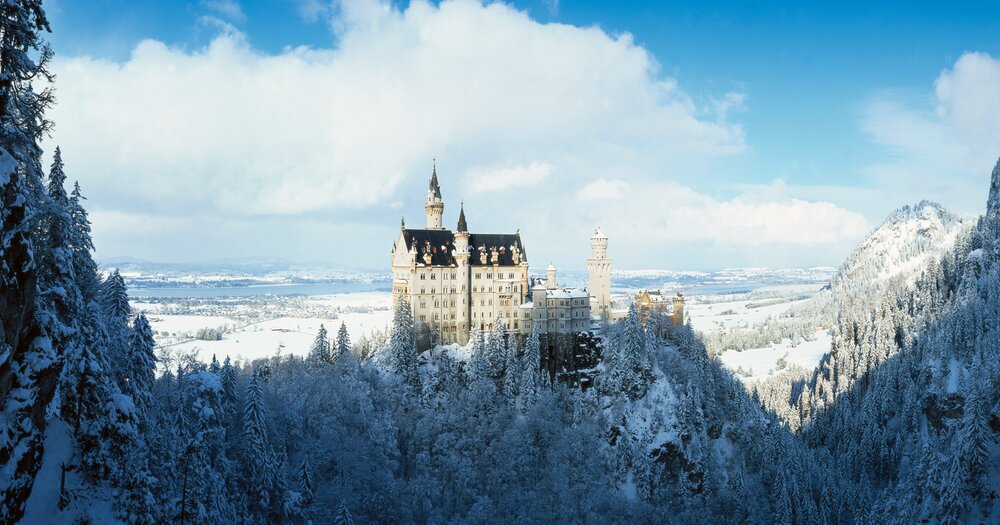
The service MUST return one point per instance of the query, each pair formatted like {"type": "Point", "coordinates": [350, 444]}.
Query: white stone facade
{"type": "Point", "coordinates": [458, 281]}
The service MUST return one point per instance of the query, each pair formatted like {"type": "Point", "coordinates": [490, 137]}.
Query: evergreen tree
{"type": "Point", "coordinates": [84, 267]}
{"type": "Point", "coordinates": [343, 516]}
{"type": "Point", "coordinates": [531, 375]}
{"type": "Point", "coordinates": [343, 342]}
{"type": "Point", "coordinates": [258, 464]}
{"type": "Point", "coordinates": [228, 375]}
{"type": "Point", "coordinates": [141, 367]}
{"type": "Point", "coordinates": [402, 346]}
{"type": "Point", "coordinates": [306, 480]}
{"type": "Point", "coordinates": [320, 350]}
{"type": "Point", "coordinates": [512, 376]}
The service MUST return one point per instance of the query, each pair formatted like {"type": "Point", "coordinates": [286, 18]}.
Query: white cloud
{"type": "Point", "coordinates": [680, 214]}
{"type": "Point", "coordinates": [232, 149]}
{"type": "Point", "coordinates": [482, 180]}
{"type": "Point", "coordinates": [228, 129]}
{"type": "Point", "coordinates": [944, 148]}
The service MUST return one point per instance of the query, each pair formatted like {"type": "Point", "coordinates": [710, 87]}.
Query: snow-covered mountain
{"type": "Point", "coordinates": [903, 243]}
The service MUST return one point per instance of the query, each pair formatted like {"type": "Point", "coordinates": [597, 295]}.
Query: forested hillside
{"type": "Point", "coordinates": [898, 424]}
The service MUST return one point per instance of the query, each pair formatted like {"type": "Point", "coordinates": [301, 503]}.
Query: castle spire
{"type": "Point", "coordinates": [435, 204]}
{"type": "Point", "coordinates": [462, 225]}
{"type": "Point", "coordinates": [434, 186]}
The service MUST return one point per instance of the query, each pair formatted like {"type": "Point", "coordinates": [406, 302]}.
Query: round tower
{"type": "Point", "coordinates": [435, 204]}
{"type": "Point", "coordinates": [461, 254]}
{"type": "Point", "coordinates": [599, 275]}
{"type": "Point", "coordinates": [550, 277]}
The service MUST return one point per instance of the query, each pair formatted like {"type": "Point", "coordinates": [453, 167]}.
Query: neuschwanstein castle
{"type": "Point", "coordinates": [457, 281]}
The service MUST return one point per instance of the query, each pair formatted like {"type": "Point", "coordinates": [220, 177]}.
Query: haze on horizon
{"type": "Point", "coordinates": [696, 137]}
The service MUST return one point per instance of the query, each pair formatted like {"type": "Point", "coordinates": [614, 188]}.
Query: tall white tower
{"type": "Point", "coordinates": [599, 275]}
{"type": "Point", "coordinates": [435, 204]}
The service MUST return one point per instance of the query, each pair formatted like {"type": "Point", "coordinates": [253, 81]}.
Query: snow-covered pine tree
{"type": "Point", "coordinates": [477, 358]}
{"type": "Point", "coordinates": [343, 516]}
{"type": "Point", "coordinates": [343, 341]}
{"type": "Point", "coordinates": [402, 346]}
{"type": "Point", "coordinates": [531, 375]}
{"type": "Point", "coordinates": [140, 367]}
{"type": "Point", "coordinates": [320, 350]}
{"type": "Point", "coordinates": [496, 352]}
{"type": "Point", "coordinates": [228, 375]}
{"type": "Point", "coordinates": [306, 480]}
{"type": "Point", "coordinates": [511, 375]}
{"type": "Point", "coordinates": [84, 267]}
{"type": "Point", "coordinates": [114, 300]}
{"type": "Point", "coordinates": [257, 460]}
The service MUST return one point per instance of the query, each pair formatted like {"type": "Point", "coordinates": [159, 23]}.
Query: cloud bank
{"type": "Point", "coordinates": [543, 125]}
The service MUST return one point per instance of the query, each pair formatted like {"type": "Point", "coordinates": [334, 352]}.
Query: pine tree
{"type": "Point", "coordinates": [257, 459]}
{"type": "Point", "coordinates": [343, 516]}
{"type": "Point", "coordinates": [228, 375]}
{"type": "Point", "coordinates": [512, 377]}
{"type": "Point", "coordinates": [81, 244]}
{"type": "Point", "coordinates": [402, 346]}
{"type": "Point", "coordinates": [531, 379]}
{"type": "Point", "coordinates": [974, 435]}
{"type": "Point", "coordinates": [320, 350]}
{"type": "Point", "coordinates": [343, 342]}
{"type": "Point", "coordinates": [306, 480]}
{"type": "Point", "coordinates": [141, 367]}
{"type": "Point", "coordinates": [496, 352]}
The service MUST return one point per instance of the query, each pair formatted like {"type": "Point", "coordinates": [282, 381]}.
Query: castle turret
{"type": "Point", "coordinates": [678, 316]}
{"type": "Point", "coordinates": [550, 277]}
{"type": "Point", "coordinates": [599, 275]}
{"type": "Point", "coordinates": [435, 204]}
{"type": "Point", "coordinates": [463, 276]}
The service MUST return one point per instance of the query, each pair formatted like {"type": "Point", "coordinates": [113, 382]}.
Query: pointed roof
{"type": "Point", "coordinates": [434, 186]}
{"type": "Point", "coordinates": [462, 226]}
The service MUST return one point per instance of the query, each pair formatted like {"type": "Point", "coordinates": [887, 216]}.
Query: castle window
{"type": "Point", "coordinates": [436, 317]}
{"type": "Point", "coordinates": [437, 304]}
{"type": "Point", "coordinates": [479, 276]}
{"type": "Point", "coordinates": [453, 276]}
{"type": "Point", "coordinates": [511, 275]}
{"type": "Point", "coordinates": [423, 276]}
{"type": "Point", "coordinates": [433, 276]}
{"type": "Point", "coordinates": [491, 302]}
{"type": "Point", "coordinates": [423, 290]}
{"type": "Point", "coordinates": [423, 317]}
{"type": "Point", "coordinates": [432, 290]}
{"type": "Point", "coordinates": [489, 276]}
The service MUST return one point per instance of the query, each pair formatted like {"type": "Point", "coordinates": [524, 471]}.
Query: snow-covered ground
{"type": "Point", "coordinates": [289, 326]}
{"type": "Point", "coordinates": [762, 363]}
{"type": "Point", "coordinates": [714, 313]}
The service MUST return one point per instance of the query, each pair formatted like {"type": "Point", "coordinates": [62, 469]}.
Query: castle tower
{"type": "Point", "coordinates": [435, 204]}
{"type": "Point", "coordinates": [550, 277]}
{"type": "Point", "coordinates": [678, 316]}
{"type": "Point", "coordinates": [463, 276]}
{"type": "Point", "coordinates": [599, 275]}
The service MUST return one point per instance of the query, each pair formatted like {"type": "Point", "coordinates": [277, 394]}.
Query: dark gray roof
{"type": "Point", "coordinates": [462, 225]}
{"type": "Point", "coordinates": [441, 245]}
{"type": "Point", "coordinates": [434, 186]}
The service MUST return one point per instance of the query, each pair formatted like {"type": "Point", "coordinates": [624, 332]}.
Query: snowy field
{"type": "Point", "coordinates": [714, 313]}
{"type": "Point", "coordinates": [763, 363]}
{"type": "Point", "coordinates": [285, 325]}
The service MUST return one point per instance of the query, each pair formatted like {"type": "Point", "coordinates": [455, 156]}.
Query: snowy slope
{"type": "Point", "coordinates": [904, 243]}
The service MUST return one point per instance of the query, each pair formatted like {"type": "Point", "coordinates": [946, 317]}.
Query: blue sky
{"type": "Point", "coordinates": [762, 133]}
